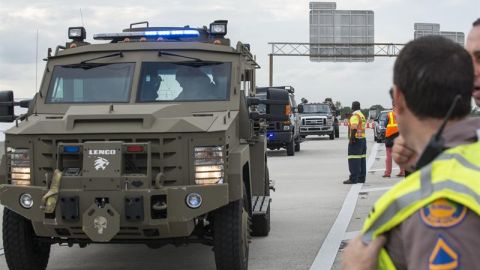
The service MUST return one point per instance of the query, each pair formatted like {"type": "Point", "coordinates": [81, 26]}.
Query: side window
{"type": "Point", "coordinates": [248, 82]}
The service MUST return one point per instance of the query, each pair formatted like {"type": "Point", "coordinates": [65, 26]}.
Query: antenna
{"type": "Point", "coordinates": [81, 16]}
{"type": "Point", "coordinates": [36, 63]}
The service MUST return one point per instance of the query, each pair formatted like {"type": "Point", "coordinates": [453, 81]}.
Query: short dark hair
{"type": "Point", "coordinates": [476, 23]}
{"type": "Point", "coordinates": [430, 72]}
{"type": "Point", "coordinates": [355, 106]}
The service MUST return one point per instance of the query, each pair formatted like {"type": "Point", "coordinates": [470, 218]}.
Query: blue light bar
{"type": "Point", "coordinates": [71, 148]}
{"type": "Point", "coordinates": [162, 33]}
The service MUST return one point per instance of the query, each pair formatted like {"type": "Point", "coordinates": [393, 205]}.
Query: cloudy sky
{"type": "Point", "coordinates": [255, 22]}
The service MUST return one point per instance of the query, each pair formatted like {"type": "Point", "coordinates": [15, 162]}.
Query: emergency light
{"type": "Point", "coordinates": [186, 33]}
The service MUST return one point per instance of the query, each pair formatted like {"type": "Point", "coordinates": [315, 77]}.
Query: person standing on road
{"type": "Point", "coordinates": [357, 146]}
{"type": "Point", "coordinates": [431, 219]}
{"type": "Point", "coordinates": [391, 133]}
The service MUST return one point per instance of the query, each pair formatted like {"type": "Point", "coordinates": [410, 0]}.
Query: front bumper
{"type": "Point", "coordinates": [316, 130]}
{"type": "Point", "coordinates": [137, 218]}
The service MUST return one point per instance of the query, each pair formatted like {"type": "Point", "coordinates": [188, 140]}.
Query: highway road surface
{"type": "Point", "coordinates": [312, 213]}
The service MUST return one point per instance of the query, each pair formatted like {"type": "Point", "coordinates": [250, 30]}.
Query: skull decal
{"type": "Point", "coordinates": [100, 223]}
{"type": "Point", "coordinates": [101, 163]}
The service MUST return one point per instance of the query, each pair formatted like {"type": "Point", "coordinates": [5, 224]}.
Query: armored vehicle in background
{"type": "Point", "coordinates": [283, 133]}
{"type": "Point", "coordinates": [317, 119]}
{"type": "Point", "coordinates": [148, 138]}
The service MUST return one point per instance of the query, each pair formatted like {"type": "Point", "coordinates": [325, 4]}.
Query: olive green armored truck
{"type": "Point", "coordinates": [150, 136]}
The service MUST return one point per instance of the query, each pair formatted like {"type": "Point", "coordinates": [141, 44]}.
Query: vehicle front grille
{"type": "Point", "coordinates": [164, 156]}
{"type": "Point", "coordinates": [314, 121]}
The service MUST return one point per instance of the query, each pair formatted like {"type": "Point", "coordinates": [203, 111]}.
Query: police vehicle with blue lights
{"type": "Point", "coordinates": [282, 133]}
{"type": "Point", "coordinates": [150, 137]}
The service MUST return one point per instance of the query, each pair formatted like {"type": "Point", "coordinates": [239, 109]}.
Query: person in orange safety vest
{"type": "Point", "coordinates": [391, 133]}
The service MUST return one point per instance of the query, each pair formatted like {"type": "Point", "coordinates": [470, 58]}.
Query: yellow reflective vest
{"type": "Point", "coordinates": [358, 122]}
{"type": "Point", "coordinates": [454, 175]}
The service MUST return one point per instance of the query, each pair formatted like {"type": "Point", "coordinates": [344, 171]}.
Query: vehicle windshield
{"type": "Point", "coordinates": [316, 108]}
{"type": "Point", "coordinates": [91, 84]}
{"type": "Point", "coordinates": [184, 81]}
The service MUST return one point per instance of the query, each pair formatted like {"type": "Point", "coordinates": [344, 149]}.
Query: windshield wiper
{"type": "Point", "coordinates": [161, 53]}
{"type": "Point", "coordinates": [197, 62]}
{"type": "Point", "coordinates": [85, 65]}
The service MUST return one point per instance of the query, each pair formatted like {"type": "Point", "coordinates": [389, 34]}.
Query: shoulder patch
{"type": "Point", "coordinates": [443, 256]}
{"type": "Point", "coordinates": [443, 213]}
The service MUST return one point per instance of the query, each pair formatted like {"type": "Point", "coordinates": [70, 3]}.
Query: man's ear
{"type": "Point", "coordinates": [398, 100]}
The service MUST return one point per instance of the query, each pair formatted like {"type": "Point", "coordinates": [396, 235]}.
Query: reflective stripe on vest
{"type": "Point", "coordinates": [360, 127]}
{"type": "Point", "coordinates": [454, 175]}
{"type": "Point", "coordinates": [392, 127]}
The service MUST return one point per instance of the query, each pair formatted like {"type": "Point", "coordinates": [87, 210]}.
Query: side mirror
{"type": "Point", "coordinates": [275, 103]}
{"type": "Point", "coordinates": [280, 96]}
{"type": "Point", "coordinates": [6, 106]}
{"type": "Point", "coordinates": [300, 108]}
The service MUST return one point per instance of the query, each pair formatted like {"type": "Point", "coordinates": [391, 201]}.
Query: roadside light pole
{"type": "Point", "coordinates": [270, 70]}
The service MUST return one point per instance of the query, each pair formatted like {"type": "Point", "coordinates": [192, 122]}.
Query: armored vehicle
{"type": "Point", "coordinates": [283, 133]}
{"type": "Point", "coordinates": [317, 119]}
{"type": "Point", "coordinates": [149, 137]}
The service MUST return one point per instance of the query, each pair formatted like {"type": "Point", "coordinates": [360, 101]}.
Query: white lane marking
{"type": "Point", "coordinates": [350, 235]}
{"type": "Point", "coordinates": [376, 189]}
{"type": "Point", "coordinates": [371, 157]}
{"type": "Point", "coordinates": [328, 252]}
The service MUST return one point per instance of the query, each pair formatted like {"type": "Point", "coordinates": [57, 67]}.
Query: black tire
{"type": "Point", "coordinates": [332, 136]}
{"type": "Point", "coordinates": [231, 236]}
{"type": "Point", "coordinates": [261, 223]}
{"type": "Point", "coordinates": [297, 147]}
{"type": "Point", "coordinates": [337, 132]}
{"type": "Point", "coordinates": [23, 250]}
{"type": "Point", "coordinates": [291, 148]}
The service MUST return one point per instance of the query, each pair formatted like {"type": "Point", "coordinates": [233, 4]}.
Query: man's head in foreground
{"type": "Point", "coordinates": [473, 47]}
{"type": "Point", "coordinates": [428, 73]}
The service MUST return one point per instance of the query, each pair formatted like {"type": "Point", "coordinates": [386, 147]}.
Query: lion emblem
{"type": "Point", "coordinates": [101, 163]}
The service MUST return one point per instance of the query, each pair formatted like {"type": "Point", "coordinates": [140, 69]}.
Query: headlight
{"type": "Point", "coordinates": [19, 163]}
{"type": "Point", "coordinates": [208, 165]}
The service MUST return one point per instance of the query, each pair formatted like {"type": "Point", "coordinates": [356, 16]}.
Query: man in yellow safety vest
{"type": "Point", "coordinates": [430, 220]}
{"type": "Point", "coordinates": [357, 146]}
